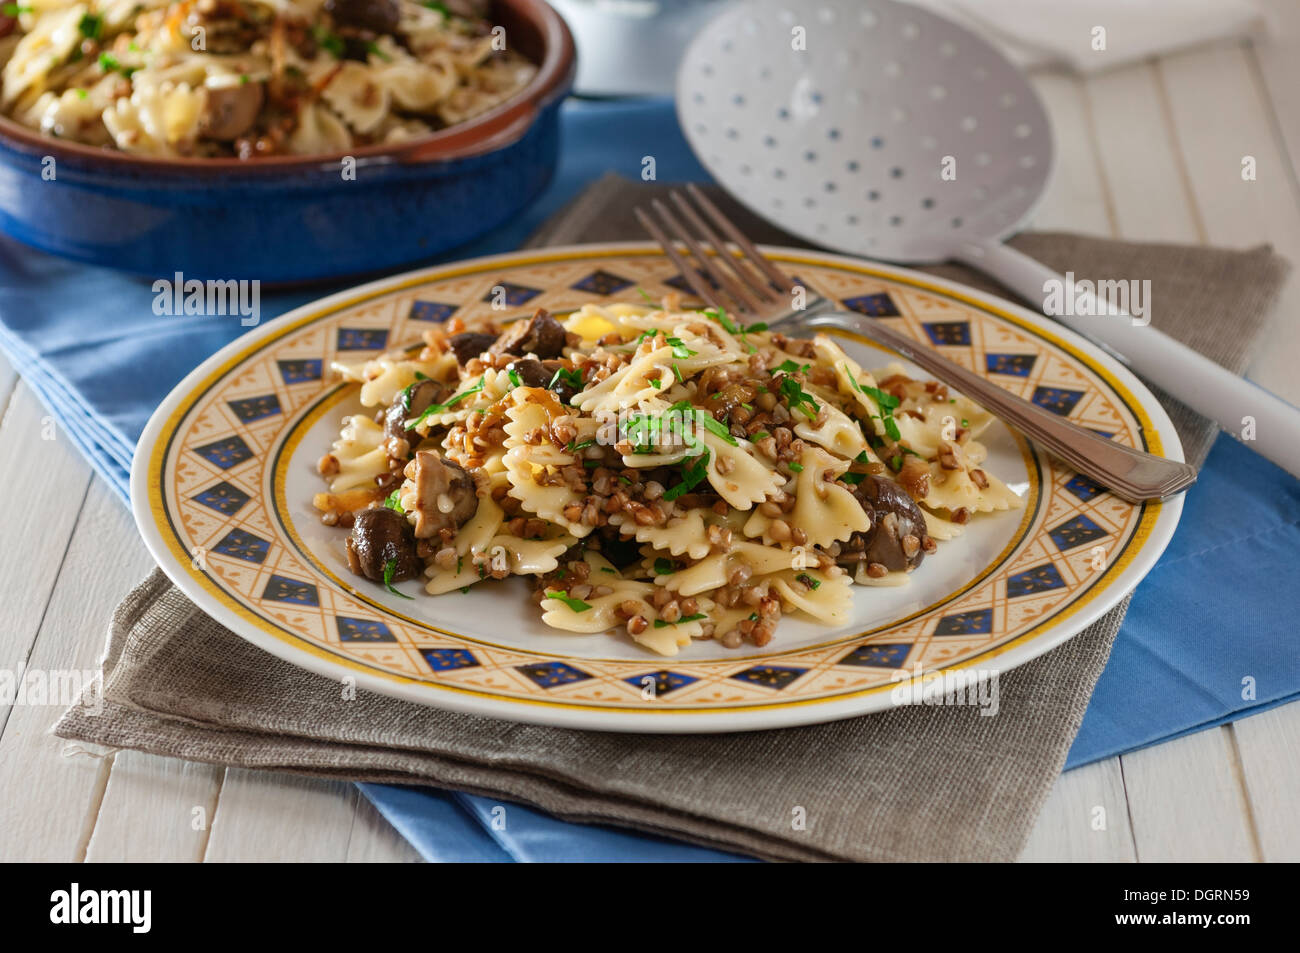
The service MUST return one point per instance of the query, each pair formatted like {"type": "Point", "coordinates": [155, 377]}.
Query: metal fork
{"type": "Point", "coordinates": [756, 291]}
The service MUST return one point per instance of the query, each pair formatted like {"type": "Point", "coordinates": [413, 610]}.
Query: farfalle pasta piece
{"type": "Point", "coordinates": [825, 511]}
{"type": "Point", "coordinates": [360, 454]}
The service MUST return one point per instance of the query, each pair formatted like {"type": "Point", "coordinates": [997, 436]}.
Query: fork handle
{"type": "Point", "coordinates": [1206, 387]}
{"type": "Point", "coordinates": [1132, 474]}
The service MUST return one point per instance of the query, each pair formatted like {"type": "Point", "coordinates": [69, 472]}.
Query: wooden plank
{"type": "Point", "coordinates": [1075, 200]}
{"type": "Point", "coordinates": [264, 816]}
{"type": "Point", "coordinates": [155, 809]}
{"type": "Point", "coordinates": [1085, 818]}
{"type": "Point", "coordinates": [1143, 172]}
{"type": "Point", "coordinates": [1277, 58]}
{"type": "Point", "coordinates": [1220, 115]}
{"type": "Point", "coordinates": [47, 481]}
{"type": "Point", "coordinates": [49, 796]}
{"type": "Point", "coordinates": [374, 840]}
{"type": "Point", "coordinates": [1187, 801]}
{"type": "Point", "coordinates": [1267, 744]}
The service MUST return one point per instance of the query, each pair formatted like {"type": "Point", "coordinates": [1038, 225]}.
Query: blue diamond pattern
{"type": "Point", "coordinates": [1084, 488]}
{"type": "Point", "coordinates": [283, 589]}
{"type": "Point", "coordinates": [249, 409]}
{"type": "Point", "coordinates": [223, 497]}
{"type": "Point", "coordinates": [434, 311]}
{"type": "Point", "coordinates": [300, 371]}
{"type": "Point", "coordinates": [949, 333]}
{"type": "Point", "coordinates": [873, 306]}
{"type": "Point", "coordinates": [681, 284]}
{"type": "Point", "coordinates": [362, 339]}
{"type": "Point", "coordinates": [878, 655]}
{"type": "Point", "coordinates": [770, 676]}
{"type": "Point", "coordinates": [240, 544]}
{"type": "Point", "coordinates": [975, 622]}
{"type": "Point", "coordinates": [601, 282]}
{"type": "Point", "coordinates": [363, 630]}
{"type": "Point", "coordinates": [226, 453]}
{"type": "Point", "coordinates": [445, 660]}
{"type": "Point", "coordinates": [1057, 399]}
{"type": "Point", "coordinates": [1042, 578]}
{"type": "Point", "coordinates": [1076, 532]}
{"type": "Point", "coordinates": [551, 674]}
{"type": "Point", "coordinates": [664, 681]}
{"type": "Point", "coordinates": [515, 295]}
{"type": "Point", "coordinates": [1013, 365]}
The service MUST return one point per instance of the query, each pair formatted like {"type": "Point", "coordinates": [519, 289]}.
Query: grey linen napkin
{"type": "Point", "coordinates": [914, 784]}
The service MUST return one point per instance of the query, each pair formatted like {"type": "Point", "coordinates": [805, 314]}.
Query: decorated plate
{"type": "Point", "coordinates": [226, 472]}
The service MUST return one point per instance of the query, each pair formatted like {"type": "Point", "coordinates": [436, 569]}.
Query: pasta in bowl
{"type": "Point", "coordinates": [249, 79]}
{"type": "Point", "coordinates": [665, 473]}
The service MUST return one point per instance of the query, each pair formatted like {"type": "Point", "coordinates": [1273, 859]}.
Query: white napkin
{"type": "Point", "coordinates": [1060, 32]}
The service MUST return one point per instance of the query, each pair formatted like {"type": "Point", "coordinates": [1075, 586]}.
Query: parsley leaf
{"type": "Point", "coordinates": [680, 350]}
{"type": "Point", "coordinates": [394, 501]}
{"type": "Point", "coordinates": [693, 617]}
{"type": "Point", "coordinates": [798, 398]}
{"type": "Point", "coordinates": [90, 25]}
{"type": "Point", "coordinates": [790, 367]}
{"type": "Point", "coordinates": [664, 567]}
{"type": "Point", "coordinates": [571, 377]}
{"type": "Point", "coordinates": [577, 605]}
{"type": "Point", "coordinates": [514, 377]}
{"type": "Point", "coordinates": [693, 474]}
{"type": "Point", "coordinates": [390, 567]}
{"type": "Point", "coordinates": [713, 426]}
{"type": "Point", "coordinates": [406, 391]}
{"type": "Point", "coordinates": [796, 467]}
{"type": "Point", "coordinates": [439, 408]}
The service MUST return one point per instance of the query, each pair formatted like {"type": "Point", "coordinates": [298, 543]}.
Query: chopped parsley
{"type": "Point", "coordinates": [761, 435]}
{"type": "Point", "coordinates": [438, 7]}
{"type": "Point", "coordinates": [390, 567]}
{"type": "Point", "coordinates": [796, 467]}
{"type": "Point", "coordinates": [612, 572]}
{"type": "Point", "coordinates": [439, 408]}
{"type": "Point", "coordinates": [886, 402]}
{"type": "Point", "coordinates": [693, 617]}
{"type": "Point", "coordinates": [965, 422]}
{"type": "Point", "coordinates": [14, 9]}
{"type": "Point", "coordinates": [577, 605]}
{"type": "Point", "coordinates": [664, 567]}
{"type": "Point", "coordinates": [798, 398]}
{"type": "Point", "coordinates": [571, 377]}
{"type": "Point", "coordinates": [680, 350]}
{"type": "Point", "coordinates": [109, 64]}
{"type": "Point", "coordinates": [90, 25]}
{"type": "Point", "coordinates": [720, 315]}
{"type": "Point", "coordinates": [809, 581]}
{"type": "Point", "coordinates": [394, 501]}
{"type": "Point", "coordinates": [853, 479]}
{"type": "Point", "coordinates": [373, 49]}
{"type": "Point", "coordinates": [790, 367]}
{"type": "Point", "coordinates": [328, 41]}
{"type": "Point", "coordinates": [82, 94]}
{"type": "Point", "coordinates": [677, 371]}
{"type": "Point", "coordinates": [574, 448]}
{"type": "Point", "coordinates": [693, 474]}
{"type": "Point", "coordinates": [514, 377]}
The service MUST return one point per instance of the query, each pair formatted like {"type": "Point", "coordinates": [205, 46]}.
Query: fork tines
{"type": "Point", "coordinates": [750, 285]}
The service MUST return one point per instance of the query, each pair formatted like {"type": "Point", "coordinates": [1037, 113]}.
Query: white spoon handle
{"type": "Point", "coordinates": [1201, 384]}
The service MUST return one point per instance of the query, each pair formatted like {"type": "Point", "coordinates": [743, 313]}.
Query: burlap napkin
{"type": "Point", "coordinates": [932, 783]}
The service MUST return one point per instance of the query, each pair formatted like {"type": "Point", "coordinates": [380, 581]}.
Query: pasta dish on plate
{"type": "Point", "coordinates": [250, 78]}
{"type": "Point", "coordinates": [669, 473]}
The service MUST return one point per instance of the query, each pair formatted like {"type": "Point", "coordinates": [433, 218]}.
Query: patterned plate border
{"type": "Point", "coordinates": [154, 508]}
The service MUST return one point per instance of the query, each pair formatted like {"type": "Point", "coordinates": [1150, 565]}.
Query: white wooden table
{"type": "Point", "coordinates": [1147, 152]}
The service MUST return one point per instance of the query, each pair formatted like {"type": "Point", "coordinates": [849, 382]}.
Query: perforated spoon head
{"type": "Point", "coordinates": [865, 126]}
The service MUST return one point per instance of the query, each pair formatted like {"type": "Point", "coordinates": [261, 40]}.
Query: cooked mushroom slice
{"type": "Point", "coordinates": [231, 109]}
{"type": "Point", "coordinates": [897, 539]}
{"type": "Point", "coordinates": [470, 344]}
{"type": "Point", "coordinates": [541, 335]}
{"type": "Point", "coordinates": [377, 16]}
{"type": "Point", "coordinates": [445, 495]}
{"type": "Point", "coordinates": [408, 405]}
{"type": "Point", "coordinates": [382, 537]}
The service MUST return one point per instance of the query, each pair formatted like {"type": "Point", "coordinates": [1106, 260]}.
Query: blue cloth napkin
{"type": "Point", "coordinates": [1205, 640]}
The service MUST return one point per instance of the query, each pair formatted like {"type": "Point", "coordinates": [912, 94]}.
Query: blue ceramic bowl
{"type": "Point", "coordinates": [289, 219]}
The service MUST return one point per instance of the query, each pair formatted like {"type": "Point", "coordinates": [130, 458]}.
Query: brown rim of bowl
{"type": "Point", "coordinates": [486, 132]}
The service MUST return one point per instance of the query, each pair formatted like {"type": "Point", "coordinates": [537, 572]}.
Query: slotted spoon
{"type": "Point", "coordinates": [879, 129]}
